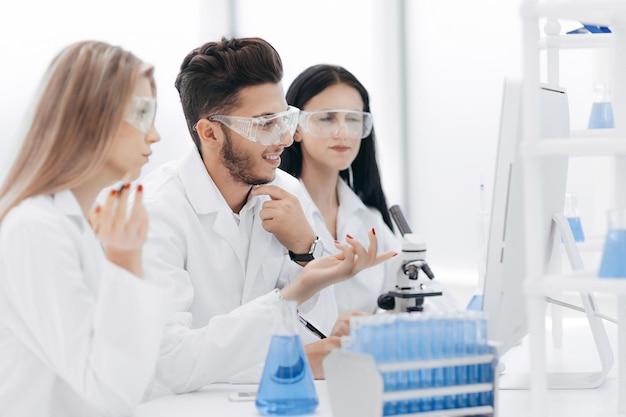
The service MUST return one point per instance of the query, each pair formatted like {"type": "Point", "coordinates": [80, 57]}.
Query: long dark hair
{"type": "Point", "coordinates": [365, 180]}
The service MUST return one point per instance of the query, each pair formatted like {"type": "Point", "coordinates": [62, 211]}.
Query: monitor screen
{"type": "Point", "coordinates": [503, 294]}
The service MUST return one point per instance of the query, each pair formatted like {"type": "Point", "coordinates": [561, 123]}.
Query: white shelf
{"type": "Point", "coordinates": [600, 12]}
{"type": "Point", "coordinates": [582, 143]}
{"type": "Point", "coordinates": [580, 282]}
{"type": "Point", "coordinates": [597, 146]}
{"type": "Point", "coordinates": [577, 41]}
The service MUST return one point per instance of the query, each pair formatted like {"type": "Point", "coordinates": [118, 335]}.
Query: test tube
{"type": "Point", "coordinates": [447, 347]}
{"type": "Point", "coordinates": [425, 348]}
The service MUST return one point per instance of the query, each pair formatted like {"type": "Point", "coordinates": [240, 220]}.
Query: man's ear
{"type": "Point", "coordinates": [207, 132]}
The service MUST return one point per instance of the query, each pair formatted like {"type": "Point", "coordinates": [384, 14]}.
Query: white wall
{"type": "Point", "coordinates": [458, 54]}
{"type": "Point", "coordinates": [32, 32]}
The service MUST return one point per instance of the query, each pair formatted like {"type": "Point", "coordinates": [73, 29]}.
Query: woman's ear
{"type": "Point", "coordinates": [296, 136]}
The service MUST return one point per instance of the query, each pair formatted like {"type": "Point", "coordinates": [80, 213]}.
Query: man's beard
{"type": "Point", "coordinates": [239, 165]}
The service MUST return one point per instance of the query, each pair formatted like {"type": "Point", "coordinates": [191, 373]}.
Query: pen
{"type": "Point", "coordinates": [312, 328]}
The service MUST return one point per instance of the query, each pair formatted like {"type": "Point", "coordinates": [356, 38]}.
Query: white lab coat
{"type": "Point", "coordinates": [356, 219]}
{"type": "Point", "coordinates": [211, 267]}
{"type": "Point", "coordinates": [79, 336]}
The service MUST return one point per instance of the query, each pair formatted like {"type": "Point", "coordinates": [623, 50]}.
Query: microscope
{"type": "Point", "coordinates": [408, 295]}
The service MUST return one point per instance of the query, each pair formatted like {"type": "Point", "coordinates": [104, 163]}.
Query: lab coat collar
{"type": "Point", "coordinates": [202, 192]}
{"type": "Point", "coordinates": [348, 198]}
{"type": "Point", "coordinates": [349, 202]}
{"type": "Point", "coordinates": [65, 201]}
{"type": "Point", "coordinates": [206, 198]}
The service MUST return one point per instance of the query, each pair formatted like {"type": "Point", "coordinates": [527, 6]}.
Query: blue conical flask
{"type": "Point", "coordinates": [601, 116]}
{"type": "Point", "coordinates": [286, 387]}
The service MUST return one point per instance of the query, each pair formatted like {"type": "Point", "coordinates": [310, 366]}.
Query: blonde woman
{"type": "Point", "coordinates": [79, 328]}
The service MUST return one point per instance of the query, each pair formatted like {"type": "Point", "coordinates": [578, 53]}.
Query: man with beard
{"type": "Point", "coordinates": [227, 230]}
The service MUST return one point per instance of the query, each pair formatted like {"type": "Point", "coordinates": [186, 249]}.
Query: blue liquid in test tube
{"type": "Point", "coordinates": [449, 372]}
{"type": "Point", "coordinates": [425, 348]}
{"type": "Point", "coordinates": [402, 355]}
{"type": "Point", "coordinates": [414, 338]}
{"type": "Point", "coordinates": [437, 353]}
{"type": "Point", "coordinates": [461, 349]}
{"type": "Point", "coordinates": [386, 342]}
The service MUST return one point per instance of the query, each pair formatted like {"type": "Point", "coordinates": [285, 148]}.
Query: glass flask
{"type": "Point", "coordinates": [613, 263]}
{"type": "Point", "coordinates": [286, 386]}
{"type": "Point", "coordinates": [601, 110]}
{"type": "Point", "coordinates": [573, 216]}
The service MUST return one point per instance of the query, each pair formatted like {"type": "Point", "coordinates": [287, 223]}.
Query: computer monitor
{"type": "Point", "coordinates": [503, 292]}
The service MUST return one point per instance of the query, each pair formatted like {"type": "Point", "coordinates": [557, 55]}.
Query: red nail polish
{"type": "Point", "coordinates": [140, 188]}
{"type": "Point", "coordinates": [395, 254]}
{"type": "Point", "coordinates": [127, 185]}
{"type": "Point", "coordinates": [113, 192]}
{"type": "Point", "coordinates": [97, 209]}
{"type": "Point", "coordinates": [336, 241]}
{"type": "Point", "coordinates": [349, 237]}
{"type": "Point", "coordinates": [373, 231]}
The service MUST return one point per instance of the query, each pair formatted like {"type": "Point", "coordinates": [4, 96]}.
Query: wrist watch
{"type": "Point", "coordinates": [316, 251]}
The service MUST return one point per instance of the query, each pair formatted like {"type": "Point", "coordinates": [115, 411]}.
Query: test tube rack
{"type": "Point", "coordinates": [355, 385]}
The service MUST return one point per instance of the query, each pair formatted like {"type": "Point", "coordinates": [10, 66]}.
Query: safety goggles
{"type": "Point", "coordinates": [326, 123]}
{"type": "Point", "coordinates": [266, 130]}
{"type": "Point", "coordinates": [142, 113]}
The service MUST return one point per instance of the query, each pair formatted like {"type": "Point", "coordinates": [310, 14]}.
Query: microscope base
{"type": "Point", "coordinates": [405, 295]}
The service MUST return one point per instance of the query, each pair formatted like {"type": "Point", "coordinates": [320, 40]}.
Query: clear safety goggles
{"type": "Point", "coordinates": [266, 130]}
{"type": "Point", "coordinates": [326, 123]}
{"type": "Point", "coordinates": [142, 113]}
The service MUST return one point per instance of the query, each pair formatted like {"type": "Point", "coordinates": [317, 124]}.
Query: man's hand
{"type": "Point", "coordinates": [284, 218]}
{"type": "Point", "coordinates": [317, 351]}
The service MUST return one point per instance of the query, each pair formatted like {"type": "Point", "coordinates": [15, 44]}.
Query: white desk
{"type": "Point", "coordinates": [213, 401]}
{"type": "Point", "coordinates": [577, 354]}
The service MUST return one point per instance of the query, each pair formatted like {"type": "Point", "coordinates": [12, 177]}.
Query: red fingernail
{"type": "Point", "coordinates": [395, 254]}
{"type": "Point", "coordinates": [373, 231]}
{"type": "Point", "coordinates": [127, 185]}
{"type": "Point", "coordinates": [113, 192]}
{"type": "Point", "coordinates": [336, 241]}
{"type": "Point", "coordinates": [349, 237]}
{"type": "Point", "coordinates": [97, 209]}
{"type": "Point", "coordinates": [140, 188]}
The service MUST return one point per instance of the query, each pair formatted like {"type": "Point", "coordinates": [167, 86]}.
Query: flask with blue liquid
{"type": "Point", "coordinates": [613, 263]}
{"type": "Point", "coordinates": [286, 386]}
{"type": "Point", "coordinates": [601, 111]}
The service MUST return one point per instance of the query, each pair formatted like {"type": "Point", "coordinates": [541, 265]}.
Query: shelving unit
{"type": "Point", "coordinates": [581, 144]}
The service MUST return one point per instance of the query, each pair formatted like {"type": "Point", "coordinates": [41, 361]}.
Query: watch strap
{"type": "Point", "coordinates": [305, 257]}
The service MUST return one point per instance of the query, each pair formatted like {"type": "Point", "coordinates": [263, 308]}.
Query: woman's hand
{"type": "Point", "coordinates": [317, 351]}
{"type": "Point", "coordinates": [342, 325]}
{"type": "Point", "coordinates": [328, 270]}
{"type": "Point", "coordinates": [122, 234]}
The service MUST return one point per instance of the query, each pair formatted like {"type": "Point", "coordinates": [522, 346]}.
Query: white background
{"type": "Point", "coordinates": [456, 56]}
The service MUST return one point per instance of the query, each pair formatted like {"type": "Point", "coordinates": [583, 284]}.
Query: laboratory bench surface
{"type": "Point", "coordinates": [577, 354]}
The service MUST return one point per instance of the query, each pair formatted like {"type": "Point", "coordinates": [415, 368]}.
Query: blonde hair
{"type": "Point", "coordinates": [81, 105]}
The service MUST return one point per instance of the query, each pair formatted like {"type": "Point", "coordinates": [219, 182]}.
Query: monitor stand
{"type": "Point", "coordinates": [571, 380]}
